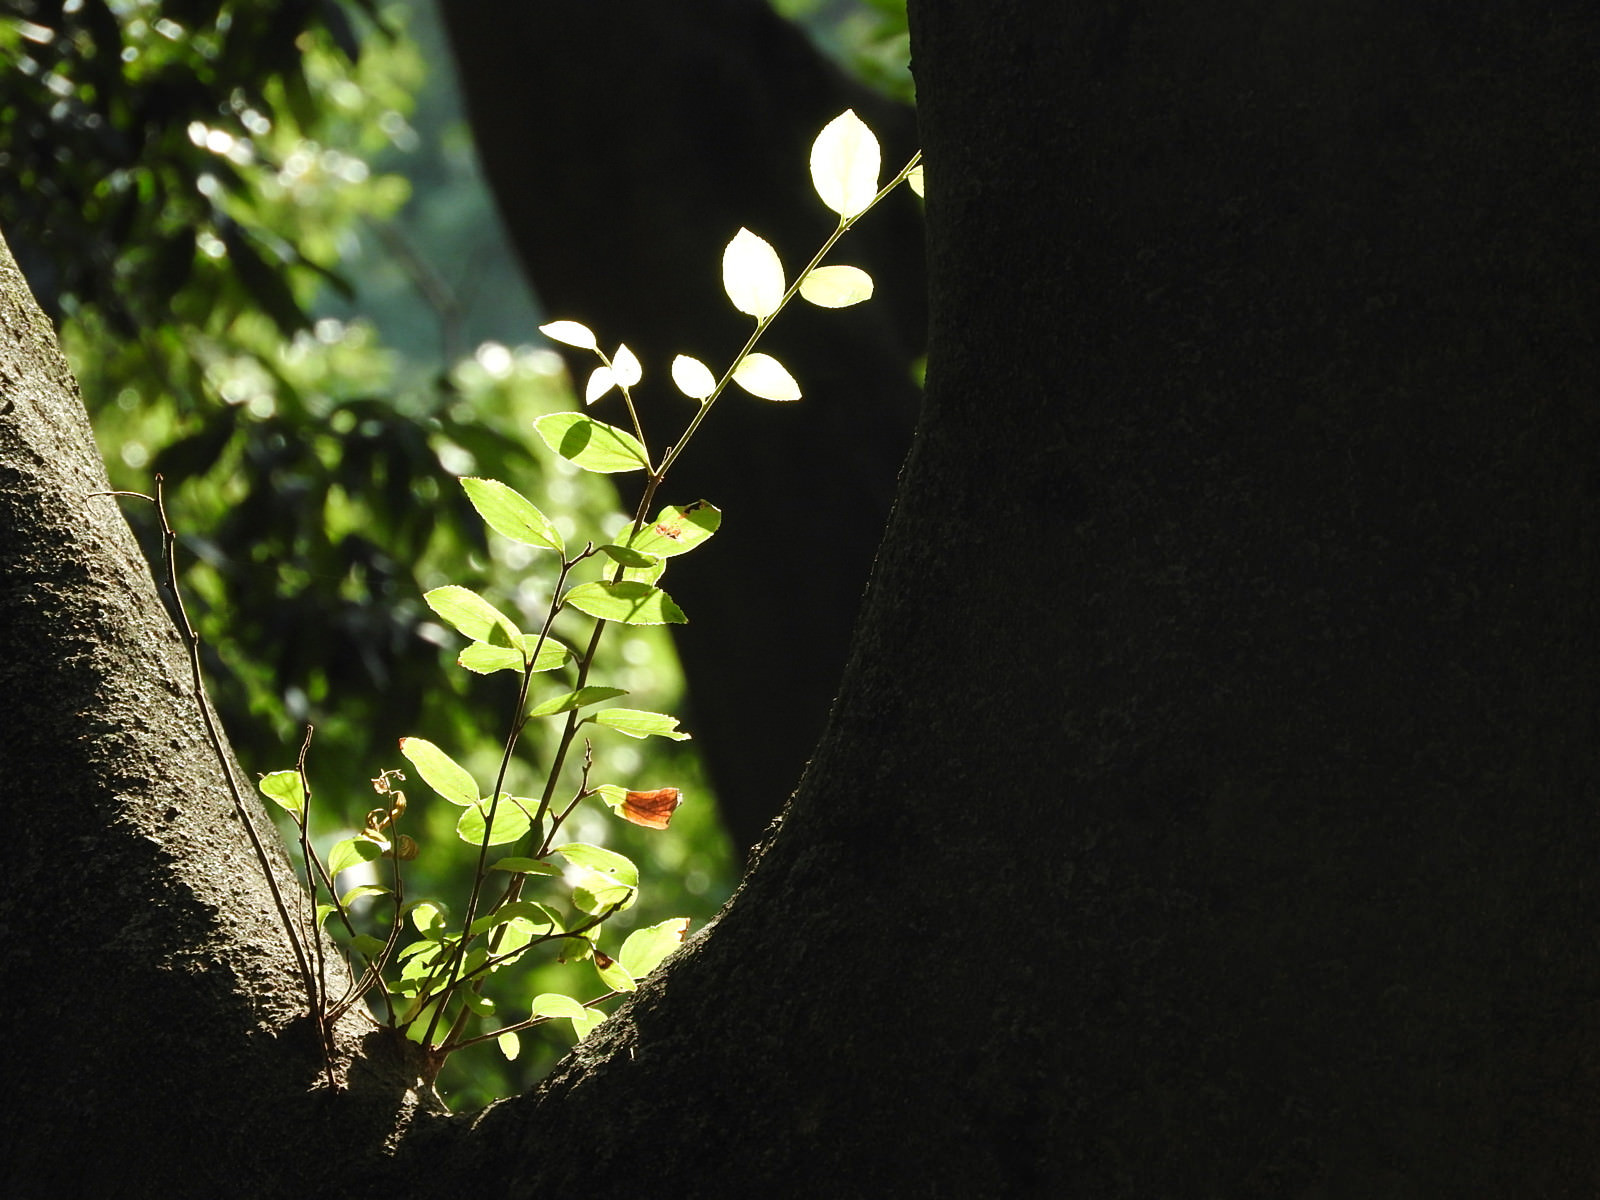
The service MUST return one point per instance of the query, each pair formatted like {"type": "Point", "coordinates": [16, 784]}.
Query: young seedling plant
{"type": "Point", "coordinates": [532, 890]}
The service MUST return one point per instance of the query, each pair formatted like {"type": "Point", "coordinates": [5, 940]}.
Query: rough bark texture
{"type": "Point", "coordinates": [626, 142]}
{"type": "Point", "coordinates": [153, 1019]}
{"type": "Point", "coordinates": [1210, 807]}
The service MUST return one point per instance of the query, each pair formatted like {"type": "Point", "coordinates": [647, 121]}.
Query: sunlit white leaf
{"type": "Point", "coordinates": [844, 165]}
{"type": "Point", "coordinates": [752, 275]}
{"type": "Point", "coordinates": [625, 366]}
{"type": "Point", "coordinates": [693, 377]}
{"type": "Point", "coordinates": [571, 333]}
{"type": "Point", "coordinates": [914, 178]}
{"type": "Point", "coordinates": [764, 376]}
{"type": "Point", "coordinates": [601, 381]}
{"type": "Point", "coordinates": [836, 287]}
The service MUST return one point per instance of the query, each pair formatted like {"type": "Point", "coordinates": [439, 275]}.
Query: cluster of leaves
{"type": "Point", "coordinates": [186, 174]}
{"type": "Point", "coordinates": [433, 987]}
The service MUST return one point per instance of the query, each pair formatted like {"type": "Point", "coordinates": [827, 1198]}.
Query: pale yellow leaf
{"type": "Point", "coordinates": [764, 376]}
{"type": "Point", "coordinates": [693, 377]}
{"type": "Point", "coordinates": [601, 381]}
{"type": "Point", "coordinates": [836, 287]}
{"type": "Point", "coordinates": [844, 165]}
{"type": "Point", "coordinates": [752, 275]}
{"type": "Point", "coordinates": [571, 333]}
{"type": "Point", "coordinates": [625, 366]}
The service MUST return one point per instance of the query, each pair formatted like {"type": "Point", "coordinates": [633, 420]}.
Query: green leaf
{"type": "Point", "coordinates": [630, 602]}
{"type": "Point", "coordinates": [693, 377]}
{"type": "Point", "coordinates": [429, 921]}
{"type": "Point", "coordinates": [365, 889]}
{"type": "Point", "coordinates": [584, 1026]}
{"type": "Point", "coordinates": [511, 514]}
{"type": "Point", "coordinates": [677, 530]}
{"type": "Point", "coordinates": [764, 376]}
{"type": "Point", "coordinates": [602, 861]}
{"type": "Point", "coordinates": [914, 178]}
{"type": "Point", "coordinates": [836, 287]}
{"type": "Point", "coordinates": [511, 821]}
{"type": "Point", "coordinates": [439, 771]}
{"type": "Point", "coordinates": [637, 723]}
{"type": "Point", "coordinates": [510, 1045]}
{"type": "Point", "coordinates": [554, 1004]}
{"type": "Point", "coordinates": [611, 795]}
{"type": "Point", "coordinates": [324, 911]}
{"type": "Point", "coordinates": [485, 659]}
{"type": "Point", "coordinates": [613, 974]}
{"type": "Point", "coordinates": [367, 945]}
{"type": "Point", "coordinates": [351, 852]}
{"type": "Point", "coordinates": [284, 789]}
{"type": "Point", "coordinates": [593, 445]}
{"type": "Point", "coordinates": [752, 275]}
{"type": "Point", "coordinates": [571, 333]}
{"type": "Point", "coordinates": [628, 557]}
{"type": "Point", "coordinates": [644, 949]}
{"type": "Point", "coordinates": [578, 699]}
{"type": "Point", "coordinates": [472, 615]}
{"type": "Point", "coordinates": [844, 165]}
{"type": "Point", "coordinates": [525, 911]}
{"type": "Point", "coordinates": [525, 866]}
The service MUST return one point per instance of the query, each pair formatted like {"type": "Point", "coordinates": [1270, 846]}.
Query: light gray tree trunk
{"type": "Point", "coordinates": [153, 1016]}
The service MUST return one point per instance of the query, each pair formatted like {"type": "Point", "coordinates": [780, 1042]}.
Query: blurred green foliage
{"type": "Point", "coordinates": [867, 37]}
{"type": "Point", "coordinates": [207, 195]}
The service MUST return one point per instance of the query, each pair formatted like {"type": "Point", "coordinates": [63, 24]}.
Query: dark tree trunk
{"type": "Point", "coordinates": [626, 143]}
{"type": "Point", "coordinates": [1210, 807]}
{"type": "Point", "coordinates": [1211, 804]}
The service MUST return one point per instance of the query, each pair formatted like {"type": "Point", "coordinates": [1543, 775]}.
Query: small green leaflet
{"type": "Point", "coordinates": [428, 920]}
{"type": "Point", "coordinates": [524, 866]}
{"type": "Point", "coordinates": [612, 973]}
{"type": "Point", "coordinates": [677, 530]}
{"type": "Point", "coordinates": [602, 879]}
{"type": "Point", "coordinates": [752, 275]}
{"type": "Point", "coordinates": [472, 615]}
{"type": "Point", "coordinates": [637, 723]}
{"type": "Point", "coordinates": [484, 659]}
{"type": "Point", "coordinates": [352, 852]}
{"type": "Point", "coordinates": [645, 948]}
{"type": "Point", "coordinates": [510, 1045]}
{"type": "Point", "coordinates": [593, 445]}
{"type": "Point", "coordinates": [439, 771]}
{"type": "Point", "coordinates": [578, 699]}
{"type": "Point", "coordinates": [629, 557]}
{"type": "Point", "coordinates": [630, 602]}
{"type": "Point", "coordinates": [599, 859]}
{"type": "Point", "coordinates": [554, 1004]}
{"type": "Point", "coordinates": [367, 945]}
{"type": "Point", "coordinates": [283, 788]}
{"type": "Point", "coordinates": [511, 821]}
{"type": "Point", "coordinates": [914, 179]}
{"type": "Point", "coordinates": [844, 165]}
{"type": "Point", "coordinates": [511, 514]}
{"type": "Point", "coordinates": [357, 893]}
{"type": "Point", "coordinates": [584, 1026]}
